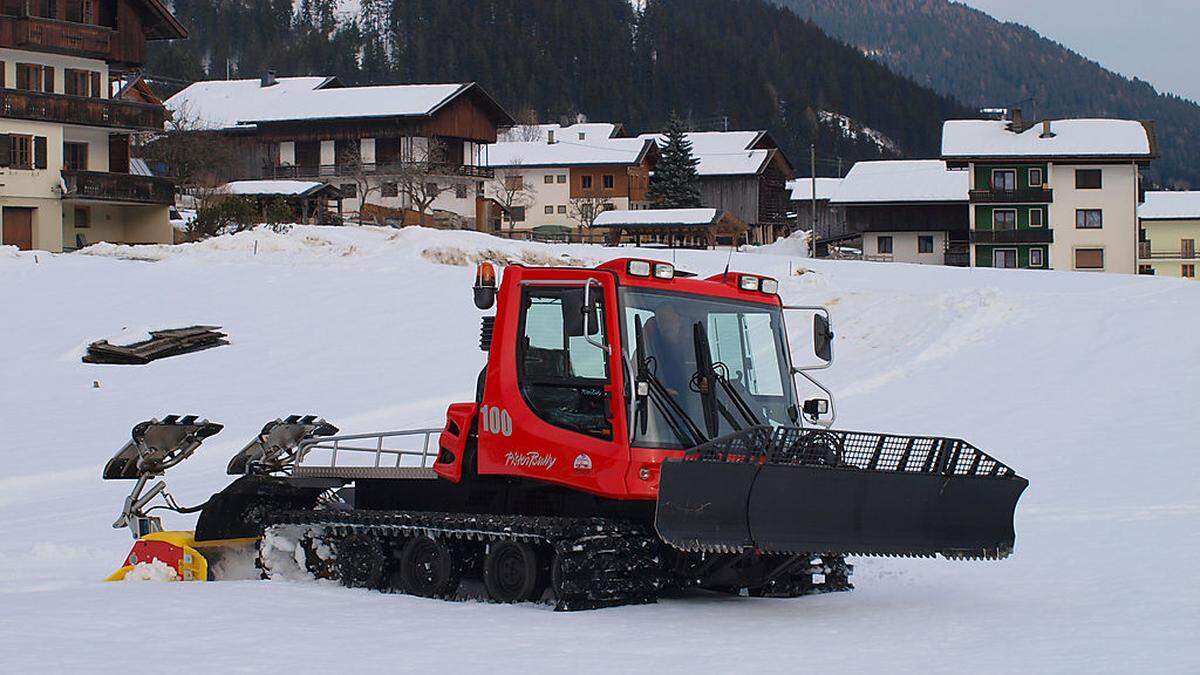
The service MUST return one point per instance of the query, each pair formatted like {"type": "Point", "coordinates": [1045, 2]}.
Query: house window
{"type": "Point", "coordinates": [1089, 258]}
{"type": "Point", "coordinates": [83, 217]}
{"type": "Point", "coordinates": [883, 245]}
{"type": "Point", "coordinates": [1187, 248]}
{"type": "Point", "coordinates": [548, 179]}
{"type": "Point", "coordinates": [75, 156]}
{"type": "Point", "coordinates": [35, 77]}
{"type": "Point", "coordinates": [78, 82]}
{"type": "Point", "coordinates": [1146, 270]}
{"type": "Point", "coordinates": [431, 189]}
{"type": "Point", "coordinates": [1088, 179]}
{"type": "Point", "coordinates": [585, 182]}
{"type": "Point", "coordinates": [562, 179]}
{"type": "Point", "coordinates": [1035, 177]}
{"type": "Point", "coordinates": [1036, 258]}
{"type": "Point", "coordinates": [460, 191]}
{"type": "Point", "coordinates": [562, 209]}
{"type": "Point", "coordinates": [1005, 258]}
{"type": "Point", "coordinates": [21, 151]}
{"type": "Point", "coordinates": [349, 190]}
{"type": "Point", "coordinates": [516, 214]}
{"type": "Point", "coordinates": [1004, 219]}
{"type": "Point", "coordinates": [549, 210]}
{"type": "Point", "coordinates": [1089, 219]}
{"type": "Point", "coordinates": [1187, 271]}
{"type": "Point", "coordinates": [609, 181]}
{"type": "Point", "coordinates": [389, 190]}
{"type": "Point", "coordinates": [1036, 218]}
{"type": "Point", "coordinates": [925, 244]}
{"type": "Point", "coordinates": [3, 76]}
{"type": "Point", "coordinates": [1004, 180]}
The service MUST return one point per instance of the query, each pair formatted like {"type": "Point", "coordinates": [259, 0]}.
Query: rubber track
{"type": "Point", "coordinates": [602, 563]}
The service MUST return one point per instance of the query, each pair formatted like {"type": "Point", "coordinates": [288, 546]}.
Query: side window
{"type": "Point", "coordinates": [562, 374]}
{"type": "Point", "coordinates": [756, 368]}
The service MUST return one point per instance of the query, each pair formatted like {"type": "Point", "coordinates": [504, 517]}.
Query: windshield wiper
{"type": "Point", "coordinates": [706, 375]}
{"type": "Point", "coordinates": [680, 423]}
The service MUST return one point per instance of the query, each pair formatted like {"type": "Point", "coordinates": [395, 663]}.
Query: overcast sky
{"type": "Point", "coordinates": [1155, 40]}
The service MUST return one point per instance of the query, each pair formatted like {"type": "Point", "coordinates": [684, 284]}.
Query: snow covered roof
{"type": "Point", "coordinates": [590, 131]}
{"type": "Point", "coordinates": [908, 180]}
{"type": "Point", "coordinates": [228, 104]}
{"type": "Point", "coordinates": [726, 153]}
{"type": "Point", "coordinates": [1082, 138]}
{"type": "Point", "coordinates": [802, 188]}
{"type": "Point", "coordinates": [224, 104]}
{"type": "Point", "coordinates": [657, 217]}
{"type": "Point", "coordinates": [568, 152]}
{"type": "Point", "coordinates": [1170, 206]}
{"type": "Point", "coordinates": [282, 188]}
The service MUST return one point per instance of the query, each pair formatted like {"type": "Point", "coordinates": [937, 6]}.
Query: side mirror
{"type": "Point", "coordinates": [822, 339]}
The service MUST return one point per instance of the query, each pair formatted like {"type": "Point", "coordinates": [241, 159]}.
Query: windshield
{"type": "Point", "coordinates": [746, 344]}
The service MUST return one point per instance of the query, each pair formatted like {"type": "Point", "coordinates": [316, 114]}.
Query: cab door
{"type": "Point", "coordinates": [553, 407]}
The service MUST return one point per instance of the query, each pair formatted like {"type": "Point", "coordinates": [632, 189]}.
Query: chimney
{"type": "Point", "coordinates": [550, 137]}
{"type": "Point", "coordinates": [1047, 132]}
{"type": "Point", "coordinates": [1017, 121]}
{"type": "Point", "coordinates": [268, 79]}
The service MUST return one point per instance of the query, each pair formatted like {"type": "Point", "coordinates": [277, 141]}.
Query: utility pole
{"type": "Point", "coordinates": [812, 235]}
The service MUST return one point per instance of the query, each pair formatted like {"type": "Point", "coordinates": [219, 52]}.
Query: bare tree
{"type": "Point", "coordinates": [351, 166]}
{"type": "Point", "coordinates": [198, 158]}
{"type": "Point", "coordinates": [584, 209]}
{"type": "Point", "coordinates": [527, 128]}
{"type": "Point", "coordinates": [421, 177]}
{"type": "Point", "coordinates": [510, 190]}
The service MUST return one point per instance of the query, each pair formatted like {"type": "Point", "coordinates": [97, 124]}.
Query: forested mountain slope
{"type": "Point", "coordinates": [744, 62]}
{"type": "Point", "coordinates": [967, 54]}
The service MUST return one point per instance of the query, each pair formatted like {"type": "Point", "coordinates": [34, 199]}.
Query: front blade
{"type": "Point", "coordinates": [806, 491]}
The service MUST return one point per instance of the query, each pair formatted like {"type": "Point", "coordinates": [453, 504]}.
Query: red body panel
{"type": "Point", "coordinates": [514, 441]}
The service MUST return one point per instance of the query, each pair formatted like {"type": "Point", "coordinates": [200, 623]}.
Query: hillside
{"type": "Point", "coordinates": [965, 53]}
{"type": "Point", "coordinates": [1103, 578]}
{"type": "Point", "coordinates": [750, 65]}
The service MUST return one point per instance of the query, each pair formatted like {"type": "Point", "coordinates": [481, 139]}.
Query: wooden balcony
{"type": "Point", "coordinates": [51, 35]}
{"type": "Point", "coordinates": [1181, 253]}
{"type": "Point", "coordinates": [81, 110]}
{"type": "Point", "coordinates": [381, 170]}
{"type": "Point", "coordinates": [1037, 235]}
{"type": "Point", "coordinates": [1030, 196]}
{"type": "Point", "coordinates": [118, 187]}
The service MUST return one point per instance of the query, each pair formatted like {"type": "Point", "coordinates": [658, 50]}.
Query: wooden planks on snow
{"type": "Point", "coordinates": [162, 343]}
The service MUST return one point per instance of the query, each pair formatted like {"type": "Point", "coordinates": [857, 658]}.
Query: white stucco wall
{"type": "Point", "coordinates": [904, 247]}
{"type": "Point", "coordinates": [1117, 199]}
{"type": "Point", "coordinates": [11, 57]}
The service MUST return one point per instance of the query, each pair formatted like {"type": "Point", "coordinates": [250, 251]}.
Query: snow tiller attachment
{"type": "Point", "coordinates": [159, 445]}
{"type": "Point", "coordinates": [791, 490]}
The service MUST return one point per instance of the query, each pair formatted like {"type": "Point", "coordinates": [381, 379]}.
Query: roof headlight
{"type": "Point", "coordinates": [664, 271]}
{"type": "Point", "coordinates": [639, 268]}
{"type": "Point", "coordinates": [748, 283]}
{"type": "Point", "coordinates": [770, 286]}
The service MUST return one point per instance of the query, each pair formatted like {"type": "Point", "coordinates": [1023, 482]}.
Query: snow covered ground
{"type": "Point", "coordinates": [1086, 384]}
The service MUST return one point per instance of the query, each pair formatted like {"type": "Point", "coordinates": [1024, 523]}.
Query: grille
{"type": "Point", "coordinates": [853, 450]}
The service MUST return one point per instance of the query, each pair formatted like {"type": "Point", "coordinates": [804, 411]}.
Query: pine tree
{"type": "Point", "coordinates": [675, 184]}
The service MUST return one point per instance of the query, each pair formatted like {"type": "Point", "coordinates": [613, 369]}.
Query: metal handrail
{"type": "Point", "coordinates": [335, 445]}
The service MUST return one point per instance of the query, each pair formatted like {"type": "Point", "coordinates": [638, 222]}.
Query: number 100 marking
{"type": "Point", "coordinates": [495, 420]}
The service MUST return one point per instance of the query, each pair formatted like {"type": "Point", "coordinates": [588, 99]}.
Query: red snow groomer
{"type": "Point", "coordinates": [635, 428]}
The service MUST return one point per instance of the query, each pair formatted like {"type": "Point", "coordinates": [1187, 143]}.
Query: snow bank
{"type": "Point", "coordinates": [155, 570]}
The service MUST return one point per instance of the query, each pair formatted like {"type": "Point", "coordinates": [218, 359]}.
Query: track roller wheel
{"type": "Point", "coordinates": [512, 572]}
{"type": "Point", "coordinates": [427, 568]}
{"type": "Point", "coordinates": [361, 561]}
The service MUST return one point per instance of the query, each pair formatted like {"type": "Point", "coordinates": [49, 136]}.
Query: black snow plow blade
{"type": "Point", "coordinates": [820, 491]}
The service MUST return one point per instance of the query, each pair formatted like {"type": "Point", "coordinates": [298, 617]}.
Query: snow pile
{"type": "Point", "coordinates": [1078, 381]}
{"type": "Point", "coordinates": [129, 336]}
{"type": "Point", "coordinates": [155, 570]}
{"type": "Point", "coordinates": [794, 245]}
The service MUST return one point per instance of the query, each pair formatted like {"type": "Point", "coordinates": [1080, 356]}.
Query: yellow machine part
{"type": "Point", "coordinates": [179, 550]}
